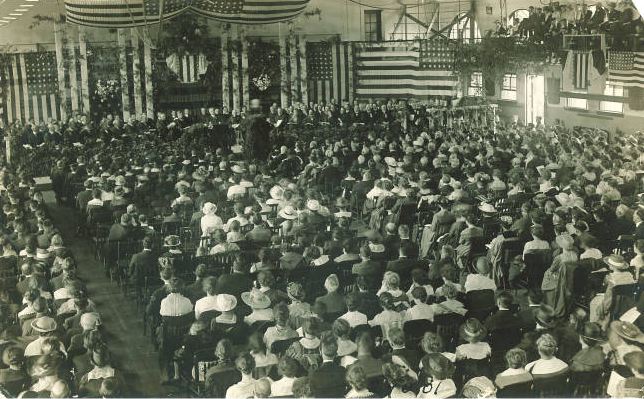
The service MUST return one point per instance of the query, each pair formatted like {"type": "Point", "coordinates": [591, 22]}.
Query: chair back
{"type": "Point", "coordinates": [587, 383]}
{"type": "Point", "coordinates": [522, 390]}
{"type": "Point", "coordinates": [415, 329]}
{"type": "Point", "coordinates": [555, 386]}
{"type": "Point", "coordinates": [447, 326]}
{"type": "Point", "coordinates": [480, 303]}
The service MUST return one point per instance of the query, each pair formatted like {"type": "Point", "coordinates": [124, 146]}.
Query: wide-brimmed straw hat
{"type": "Point", "coordinates": [616, 262]}
{"type": "Point", "coordinates": [44, 324]}
{"type": "Point", "coordinates": [225, 303]}
{"type": "Point", "coordinates": [256, 299]}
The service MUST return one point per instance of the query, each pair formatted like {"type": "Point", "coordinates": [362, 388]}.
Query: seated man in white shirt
{"type": "Point", "coordinates": [480, 280]}
{"type": "Point", "coordinates": [420, 310]}
{"type": "Point", "coordinates": [175, 304]}
{"type": "Point", "coordinates": [353, 316]}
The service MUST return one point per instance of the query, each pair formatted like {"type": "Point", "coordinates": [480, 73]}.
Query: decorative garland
{"type": "Point", "coordinates": [496, 56]}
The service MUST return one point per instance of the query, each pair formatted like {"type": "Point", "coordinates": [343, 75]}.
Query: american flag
{"type": "Point", "coordinates": [626, 67]}
{"type": "Point", "coordinates": [580, 70]}
{"type": "Point", "coordinates": [31, 91]}
{"type": "Point", "coordinates": [330, 71]}
{"type": "Point", "coordinates": [408, 68]}
{"type": "Point", "coordinates": [127, 13]}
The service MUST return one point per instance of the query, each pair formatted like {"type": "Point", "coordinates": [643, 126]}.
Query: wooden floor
{"type": "Point", "coordinates": [133, 353]}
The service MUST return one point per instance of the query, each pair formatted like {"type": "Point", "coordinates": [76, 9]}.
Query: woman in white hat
{"type": "Point", "coordinates": [260, 305]}
{"type": "Point", "coordinates": [210, 221]}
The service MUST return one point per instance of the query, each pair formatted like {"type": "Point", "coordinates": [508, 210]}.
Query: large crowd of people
{"type": "Point", "coordinates": [379, 250]}
{"type": "Point", "coordinates": [619, 20]}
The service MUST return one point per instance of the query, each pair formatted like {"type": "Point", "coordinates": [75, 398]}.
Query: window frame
{"type": "Point", "coordinates": [372, 25]}
{"type": "Point", "coordinates": [577, 107]}
{"type": "Point", "coordinates": [613, 89]}
{"type": "Point", "coordinates": [509, 89]}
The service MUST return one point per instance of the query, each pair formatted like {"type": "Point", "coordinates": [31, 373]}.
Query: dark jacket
{"type": "Point", "coordinates": [328, 381]}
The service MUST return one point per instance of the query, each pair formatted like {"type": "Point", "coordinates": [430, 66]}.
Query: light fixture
{"type": "Point", "coordinates": [22, 9]}
{"type": "Point", "coordinates": [9, 18]}
{"type": "Point", "coordinates": [15, 14]}
{"type": "Point", "coordinates": [26, 5]}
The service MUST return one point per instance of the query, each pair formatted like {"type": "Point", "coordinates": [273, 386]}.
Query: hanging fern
{"type": "Point", "coordinates": [496, 56]}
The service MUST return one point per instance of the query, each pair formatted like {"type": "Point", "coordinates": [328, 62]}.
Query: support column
{"type": "Point", "coordinates": [59, 32]}
{"type": "Point", "coordinates": [304, 80]}
{"type": "Point", "coordinates": [125, 98]}
{"type": "Point", "coordinates": [149, 88]}
{"type": "Point", "coordinates": [235, 67]}
{"type": "Point", "coordinates": [73, 78]}
{"type": "Point", "coordinates": [244, 68]}
{"type": "Point", "coordinates": [295, 78]}
{"type": "Point", "coordinates": [284, 85]}
{"type": "Point", "coordinates": [84, 71]}
{"type": "Point", "coordinates": [225, 70]}
{"type": "Point", "coordinates": [136, 73]}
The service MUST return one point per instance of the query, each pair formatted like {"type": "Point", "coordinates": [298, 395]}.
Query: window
{"type": "Point", "coordinates": [476, 84]}
{"type": "Point", "coordinates": [577, 103]}
{"type": "Point", "coordinates": [465, 29]}
{"type": "Point", "coordinates": [509, 87]}
{"type": "Point", "coordinates": [373, 25]}
{"type": "Point", "coordinates": [613, 89]}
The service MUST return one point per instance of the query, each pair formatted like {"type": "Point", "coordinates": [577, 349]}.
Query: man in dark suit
{"type": "Point", "coordinates": [259, 233]}
{"type": "Point", "coordinates": [370, 269]}
{"type": "Point", "coordinates": [403, 265]}
{"type": "Point", "coordinates": [528, 314]}
{"type": "Point", "coordinates": [504, 318]}
{"type": "Point", "coordinates": [391, 241]}
{"type": "Point", "coordinates": [236, 282]}
{"type": "Point", "coordinates": [413, 248]}
{"type": "Point", "coordinates": [143, 264]}
{"type": "Point", "coordinates": [328, 381]}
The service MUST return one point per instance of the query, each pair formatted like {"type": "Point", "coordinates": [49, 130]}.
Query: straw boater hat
{"type": "Point", "coordinates": [238, 169]}
{"type": "Point", "coordinates": [171, 241]}
{"type": "Point", "coordinates": [276, 193]}
{"type": "Point", "coordinates": [256, 299]}
{"type": "Point", "coordinates": [545, 316]}
{"type": "Point", "coordinates": [44, 324]}
{"type": "Point", "coordinates": [487, 208]}
{"type": "Point", "coordinates": [479, 387]}
{"type": "Point", "coordinates": [225, 303]}
{"type": "Point", "coordinates": [628, 331]}
{"type": "Point", "coordinates": [616, 262]}
{"type": "Point", "coordinates": [313, 205]}
{"type": "Point", "coordinates": [288, 213]}
{"type": "Point", "coordinates": [472, 329]}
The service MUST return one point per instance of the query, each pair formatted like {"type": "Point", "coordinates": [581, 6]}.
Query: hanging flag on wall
{"type": "Point", "coordinates": [626, 67]}
{"type": "Point", "coordinates": [189, 68]}
{"type": "Point", "coordinates": [580, 70]}
{"type": "Point", "coordinates": [405, 69]}
{"type": "Point", "coordinates": [32, 87]}
{"type": "Point", "coordinates": [128, 13]}
{"type": "Point", "coordinates": [330, 71]}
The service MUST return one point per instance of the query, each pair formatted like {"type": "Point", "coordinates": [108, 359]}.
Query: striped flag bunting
{"type": "Point", "coordinates": [626, 67]}
{"type": "Point", "coordinates": [330, 71]}
{"type": "Point", "coordinates": [128, 13]}
{"type": "Point", "coordinates": [189, 68]}
{"type": "Point", "coordinates": [410, 68]}
{"type": "Point", "coordinates": [580, 70]}
{"type": "Point", "coordinates": [31, 89]}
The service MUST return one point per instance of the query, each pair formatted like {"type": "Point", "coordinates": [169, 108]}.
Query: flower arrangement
{"type": "Point", "coordinates": [107, 90]}
{"type": "Point", "coordinates": [262, 82]}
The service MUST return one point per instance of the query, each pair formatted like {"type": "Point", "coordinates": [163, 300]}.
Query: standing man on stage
{"type": "Point", "coordinates": [257, 131]}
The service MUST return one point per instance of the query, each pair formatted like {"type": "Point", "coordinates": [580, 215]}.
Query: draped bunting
{"type": "Point", "coordinates": [128, 13]}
